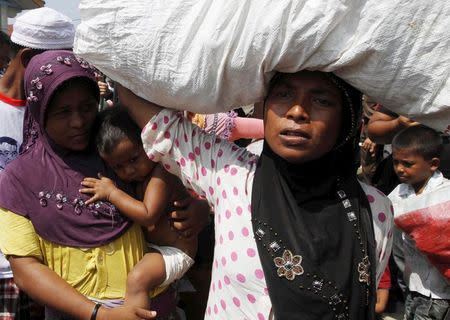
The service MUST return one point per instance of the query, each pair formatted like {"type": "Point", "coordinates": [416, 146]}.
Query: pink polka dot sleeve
{"type": "Point", "coordinates": [201, 160]}
{"type": "Point", "coordinates": [383, 221]}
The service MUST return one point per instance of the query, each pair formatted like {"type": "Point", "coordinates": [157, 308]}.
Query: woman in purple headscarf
{"type": "Point", "coordinates": [69, 256]}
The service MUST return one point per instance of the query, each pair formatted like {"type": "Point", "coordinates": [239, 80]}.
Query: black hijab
{"type": "Point", "coordinates": [313, 227]}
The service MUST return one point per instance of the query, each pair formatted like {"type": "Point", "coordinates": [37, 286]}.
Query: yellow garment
{"type": "Point", "coordinates": [99, 273]}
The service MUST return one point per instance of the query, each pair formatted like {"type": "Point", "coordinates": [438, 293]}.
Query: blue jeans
{"type": "Point", "coordinates": [419, 307]}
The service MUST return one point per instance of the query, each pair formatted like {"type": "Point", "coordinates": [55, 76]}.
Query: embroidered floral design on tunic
{"type": "Point", "coordinates": [364, 270]}
{"type": "Point", "coordinates": [289, 266]}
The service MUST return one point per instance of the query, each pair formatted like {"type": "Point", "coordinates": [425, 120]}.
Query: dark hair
{"type": "Point", "coordinates": [419, 139]}
{"type": "Point", "coordinates": [4, 39]}
{"type": "Point", "coordinates": [8, 140]}
{"type": "Point", "coordinates": [90, 84]}
{"type": "Point", "coordinates": [115, 124]}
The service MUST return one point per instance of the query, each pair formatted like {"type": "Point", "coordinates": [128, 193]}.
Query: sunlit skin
{"type": "Point", "coordinates": [302, 118]}
{"type": "Point", "coordinates": [412, 168]}
{"type": "Point", "coordinates": [71, 115]}
{"type": "Point", "coordinates": [129, 161]}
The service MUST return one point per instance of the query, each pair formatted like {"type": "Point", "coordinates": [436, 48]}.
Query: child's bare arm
{"type": "Point", "coordinates": [145, 212]}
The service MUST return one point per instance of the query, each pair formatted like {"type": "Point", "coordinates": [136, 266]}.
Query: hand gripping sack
{"type": "Point", "coordinates": [209, 55]}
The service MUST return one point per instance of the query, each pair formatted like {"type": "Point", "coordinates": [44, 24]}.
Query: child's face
{"type": "Point", "coordinates": [70, 117]}
{"type": "Point", "coordinates": [129, 161]}
{"type": "Point", "coordinates": [412, 168]}
{"type": "Point", "coordinates": [303, 116]}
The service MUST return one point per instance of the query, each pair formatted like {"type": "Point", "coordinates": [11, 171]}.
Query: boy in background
{"type": "Point", "coordinates": [416, 159]}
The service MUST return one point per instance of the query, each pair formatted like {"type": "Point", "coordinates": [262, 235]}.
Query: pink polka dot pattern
{"type": "Point", "coordinates": [245, 232]}
{"type": "Point", "coordinates": [228, 214]}
{"type": "Point", "coordinates": [240, 277]}
{"type": "Point", "coordinates": [259, 274]}
{"type": "Point", "coordinates": [381, 216]}
{"type": "Point", "coordinates": [219, 284]}
{"type": "Point", "coordinates": [239, 210]}
{"type": "Point", "coordinates": [251, 298]}
{"type": "Point", "coordinates": [235, 191]}
{"type": "Point", "coordinates": [231, 235]}
{"type": "Point", "coordinates": [216, 309]}
{"type": "Point", "coordinates": [226, 279]}
{"type": "Point", "coordinates": [183, 162]}
{"type": "Point", "coordinates": [211, 190]}
{"type": "Point", "coordinates": [166, 119]}
{"type": "Point", "coordinates": [224, 261]}
{"type": "Point", "coordinates": [203, 170]}
{"type": "Point", "coordinates": [370, 198]}
{"type": "Point", "coordinates": [233, 171]}
{"type": "Point", "coordinates": [251, 252]}
{"type": "Point", "coordinates": [223, 304]}
{"type": "Point", "coordinates": [237, 302]}
{"type": "Point", "coordinates": [224, 194]}
{"type": "Point", "coordinates": [197, 150]}
{"type": "Point", "coordinates": [191, 156]}
{"type": "Point", "coordinates": [261, 316]}
{"type": "Point", "coordinates": [207, 145]}
{"type": "Point", "coordinates": [234, 256]}
{"type": "Point", "coordinates": [154, 126]}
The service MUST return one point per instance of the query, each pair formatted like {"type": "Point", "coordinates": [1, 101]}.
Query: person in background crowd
{"type": "Point", "coordinates": [416, 157]}
{"type": "Point", "coordinates": [5, 47]}
{"type": "Point", "coordinates": [33, 32]}
{"type": "Point", "coordinates": [309, 214]}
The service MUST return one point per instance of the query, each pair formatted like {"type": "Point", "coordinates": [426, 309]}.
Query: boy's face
{"type": "Point", "coordinates": [303, 116]}
{"type": "Point", "coordinates": [412, 168]}
{"type": "Point", "coordinates": [129, 161]}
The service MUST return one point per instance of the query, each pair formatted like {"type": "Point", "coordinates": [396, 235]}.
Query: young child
{"type": "Point", "coordinates": [118, 142]}
{"type": "Point", "coordinates": [416, 157]}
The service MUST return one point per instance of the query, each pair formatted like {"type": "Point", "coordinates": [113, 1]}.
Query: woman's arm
{"type": "Point", "coordinates": [46, 287]}
{"type": "Point", "coordinates": [140, 110]}
{"type": "Point", "coordinates": [382, 127]}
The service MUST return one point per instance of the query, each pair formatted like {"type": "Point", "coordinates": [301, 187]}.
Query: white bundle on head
{"type": "Point", "coordinates": [208, 56]}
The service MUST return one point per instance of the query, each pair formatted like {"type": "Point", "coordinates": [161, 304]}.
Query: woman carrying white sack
{"type": "Point", "coordinates": [297, 236]}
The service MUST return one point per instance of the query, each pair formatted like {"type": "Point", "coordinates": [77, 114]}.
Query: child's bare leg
{"type": "Point", "coordinates": [149, 273]}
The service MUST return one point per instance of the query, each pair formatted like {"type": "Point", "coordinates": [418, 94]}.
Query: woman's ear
{"type": "Point", "coordinates": [434, 164]}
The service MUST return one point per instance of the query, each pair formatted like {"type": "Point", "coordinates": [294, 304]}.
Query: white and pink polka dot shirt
{"type": "Point", "coordinates": [223, 173]}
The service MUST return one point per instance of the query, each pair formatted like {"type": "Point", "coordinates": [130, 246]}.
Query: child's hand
{"type": "Point", "coordinates": [101, 188]}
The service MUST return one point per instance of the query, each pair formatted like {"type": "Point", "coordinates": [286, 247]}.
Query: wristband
{"type": "Point", "coordinates": [94, 312]}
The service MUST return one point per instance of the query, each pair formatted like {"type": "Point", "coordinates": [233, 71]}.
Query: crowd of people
{"type": "Point", "coordinates": [109, 202]}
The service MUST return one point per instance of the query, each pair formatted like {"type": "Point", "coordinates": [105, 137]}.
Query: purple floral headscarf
{"type": "Point", "coordinates": [42, 183]}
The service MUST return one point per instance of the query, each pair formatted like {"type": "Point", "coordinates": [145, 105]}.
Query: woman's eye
{"type": "Point", "coordinates": [284, 94]}
{"type": "Point", "coordinates": [133, 159]}
{"type": "Point", "coordinates": [323, 102]}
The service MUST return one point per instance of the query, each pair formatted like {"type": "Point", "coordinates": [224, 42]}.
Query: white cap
{"type": "Point", "coordinates": [43, 28]}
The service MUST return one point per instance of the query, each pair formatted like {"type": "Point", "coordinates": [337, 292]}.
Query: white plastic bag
{"type": "Point", "coordinates": [209, 55]}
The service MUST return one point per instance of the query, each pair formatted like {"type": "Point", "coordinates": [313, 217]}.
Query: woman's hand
{"type": "Point", "coordinates": [101, 188]}
{"type": "Point", "coordinates": [191, 216]}
{"type": "Point", "coordinates": [125, 313]}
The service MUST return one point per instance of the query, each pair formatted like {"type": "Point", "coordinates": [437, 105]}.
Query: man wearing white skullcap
{"type": "Point", "coordinates": [33, 32]}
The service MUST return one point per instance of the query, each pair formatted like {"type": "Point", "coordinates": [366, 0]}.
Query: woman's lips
{"type": "Point", "coordinates": [294, 137]}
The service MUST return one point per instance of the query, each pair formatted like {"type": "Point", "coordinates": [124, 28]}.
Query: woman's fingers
{"type": "Point", "coordinates": [145, 314]}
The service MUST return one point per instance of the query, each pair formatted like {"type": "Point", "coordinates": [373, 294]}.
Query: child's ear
{"type": "Point", "coordinates": [434, 164]}
{"type": "Point", "coordinates": [25, 56]}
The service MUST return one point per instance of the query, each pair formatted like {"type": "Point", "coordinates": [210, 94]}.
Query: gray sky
{"type": "Point", "coordinates": [68, 7]}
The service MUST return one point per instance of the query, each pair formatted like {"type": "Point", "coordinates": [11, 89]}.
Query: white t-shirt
{"type": "Point", "coordinates": [420, 275]}
{"type": "Point", "coordinates": [223, 173]}
{"type": "Point", "coordinates": [12, 112]}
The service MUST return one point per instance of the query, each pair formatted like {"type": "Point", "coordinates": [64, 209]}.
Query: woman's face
{"type": "Point", "coordinates": [303, 114]}
{"type": "Point", "coordinates": [71, 115]}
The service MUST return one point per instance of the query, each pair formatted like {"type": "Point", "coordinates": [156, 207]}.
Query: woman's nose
{"type": "Point", "coordinates": [77, 120]}
{"type": "Point", "coordinates": [297, 112]}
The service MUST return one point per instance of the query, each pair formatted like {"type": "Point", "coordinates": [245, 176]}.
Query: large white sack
{"type": "Point", "coordinates": [209, 55]}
